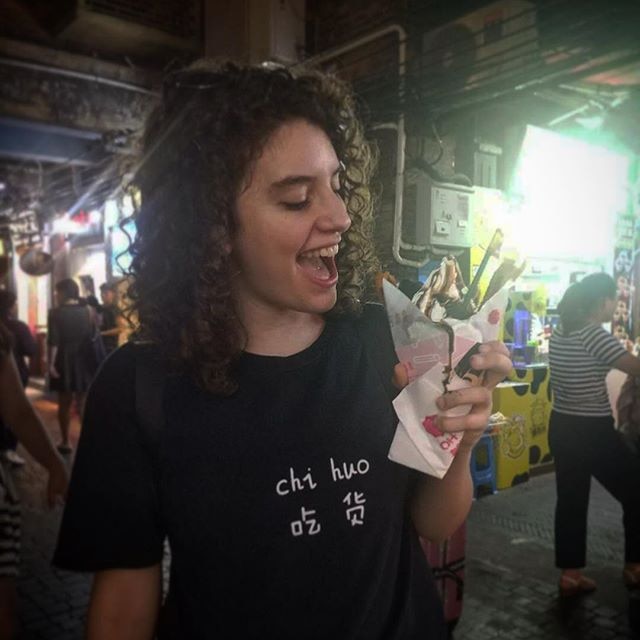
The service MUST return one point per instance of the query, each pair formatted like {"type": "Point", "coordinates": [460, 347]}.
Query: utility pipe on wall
{"type": "Point", "coordinates": [70, 73]}
{"type": "Point", "coordinates": [401, 136]}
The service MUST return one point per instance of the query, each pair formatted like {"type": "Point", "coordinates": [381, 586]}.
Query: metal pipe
{"type": "Point", "coordinates": [34, 66]}
{"type": "Point", "coordinates": [358, 42]}
{"type": "Point", "coordinates": [398, 243]}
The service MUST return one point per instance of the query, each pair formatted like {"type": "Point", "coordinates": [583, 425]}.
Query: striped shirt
{"type": "Point", "coordinates": [579, 362]}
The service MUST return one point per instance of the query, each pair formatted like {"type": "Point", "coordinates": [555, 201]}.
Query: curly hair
{"type": "Point", "coordinates": [199, 145]}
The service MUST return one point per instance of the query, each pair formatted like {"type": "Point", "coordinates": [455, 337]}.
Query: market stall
{"type": "Point", "coordinates": [566, 227]}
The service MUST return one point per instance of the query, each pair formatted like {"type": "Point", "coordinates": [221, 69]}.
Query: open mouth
{"type": "Point", "coordinates": [320, 264]}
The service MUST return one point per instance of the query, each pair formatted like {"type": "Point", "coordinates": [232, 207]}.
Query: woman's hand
{"type": "Point", "coordinates": [494, 361]}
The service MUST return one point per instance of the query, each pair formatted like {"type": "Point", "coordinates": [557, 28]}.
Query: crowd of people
{"type": "Point", "coordinates": [260, 368]}
{"type": "Point", "coordinates": [81, 333]}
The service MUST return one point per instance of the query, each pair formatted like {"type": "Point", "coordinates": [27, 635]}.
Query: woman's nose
{"type": "Point", "coordinates": [334, 216]}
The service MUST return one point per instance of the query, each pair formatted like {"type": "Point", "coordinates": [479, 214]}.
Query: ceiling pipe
{"type": "Point", "coordinates": [399, 126]}
{"type": "Point", "coordinates": [68, 73]}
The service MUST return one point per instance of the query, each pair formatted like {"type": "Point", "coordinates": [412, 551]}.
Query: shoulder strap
{"type": "Point", "coordinates": [375, 334]}
{"type": "Point", "coordinates": [149, 387]}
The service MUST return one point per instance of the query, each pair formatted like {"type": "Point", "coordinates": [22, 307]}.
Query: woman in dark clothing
{"type": "Point", "coordinates": [251, 259]}
{"type": "Point", "coordinates": [581, 430]}
{"type": "Point", "coordinates": [71, 326]}
{"type": "Point", "coordinates": [23, 346]}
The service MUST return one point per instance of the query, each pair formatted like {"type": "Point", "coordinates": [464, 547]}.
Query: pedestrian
{"type": "Point", "coordinates": [17, 412]}
{"type": "Point", "coordinates": [72, 331]}
{"type": "Point", "coordinates": [113, 323]}
{"type": "Point", "coordinates": [23, 347]}
{"type": "Point", "coordinates": [269, 475]}
{"type": "Point", "coordinates": [582, 437]}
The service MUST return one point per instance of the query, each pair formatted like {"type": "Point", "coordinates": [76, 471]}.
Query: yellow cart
{"type": "Point", "coordinates": [535, 405]}
{"type": "Point", "coordinates": [511, 436]}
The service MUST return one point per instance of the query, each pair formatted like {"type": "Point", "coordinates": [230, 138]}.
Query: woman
{"type": "Point", "coordinates": [23, 347]}
{"type": "Point", "coordinates": [581, 430]}
{"type": "Point", "coordinates": [270, 478]}
{"type": "Point", "coordinates": [72, 326]}
{"type": "Point", "coordinates": [112, 323]}
{"type": "Point", "coordinates": [17, 413]}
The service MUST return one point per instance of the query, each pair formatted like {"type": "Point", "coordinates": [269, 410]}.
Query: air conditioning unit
{"type": "Point", "coordinates": [488, 44]}
{"type": "Point", "coordinates": [145, 28]}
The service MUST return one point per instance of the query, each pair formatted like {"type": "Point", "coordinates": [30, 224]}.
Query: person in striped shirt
{"type": "Point", "coordinates": [582, 437]}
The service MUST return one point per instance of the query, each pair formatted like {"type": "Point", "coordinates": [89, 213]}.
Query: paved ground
{"type": "Point", "coordinates": [511, 581]}
{"type": "Point", "coordinates": [510, 584]}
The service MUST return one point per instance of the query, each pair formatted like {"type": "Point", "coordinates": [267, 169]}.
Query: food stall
{"type": "Point", "coordinates": [566, 227]}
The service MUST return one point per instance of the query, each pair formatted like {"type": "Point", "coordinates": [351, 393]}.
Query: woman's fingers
{"type": "Point", "coordinates": [468, 395]}
{"type": "Point", "coordinates": [400, 377]}
{"type": "Point", "coordinates": [476, 419]}
{"type": "Point", "coordinates": [494, 360]}
{"type": "Point", "coordinates": [494, 345]}
{"type": "Point", "coordinates": [480, 400]}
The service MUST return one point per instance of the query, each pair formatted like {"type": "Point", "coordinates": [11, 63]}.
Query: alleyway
{"type": "Point", "coordinates": [510, 586]}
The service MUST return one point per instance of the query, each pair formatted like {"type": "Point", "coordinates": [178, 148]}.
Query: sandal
{"type": "Point", "coordinates": [581, 585]}
{"type": "Point", "coordinates": [631, 577]}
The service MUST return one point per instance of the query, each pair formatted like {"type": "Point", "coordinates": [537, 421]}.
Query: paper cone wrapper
{"type": "Point", "coordinates": [418, 443]}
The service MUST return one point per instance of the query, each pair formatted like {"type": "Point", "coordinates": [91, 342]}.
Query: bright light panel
{"type": "Point", "coordinates": [571, 191]}
{"type": "Point", "coordinates": [120, 241]}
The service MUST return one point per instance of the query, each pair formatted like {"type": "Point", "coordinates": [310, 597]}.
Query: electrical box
{"type": "Point", "coordinates": [443, 212]}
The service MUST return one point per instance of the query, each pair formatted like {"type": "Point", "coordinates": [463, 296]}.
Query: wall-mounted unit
{"type": "Point", "coordinates": [491, 43]}
{"type": "Point", "coordinates": [276, 30]}
{"type": "Point", "coordinates": [144, 28]}
{"type": "Point", "coordinates": [443, 211]}
{"type": "Point", "coordinates": [255, 30]}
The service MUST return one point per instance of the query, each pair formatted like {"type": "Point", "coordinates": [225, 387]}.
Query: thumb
{"type": "Point", "coordinates": [400, 378]}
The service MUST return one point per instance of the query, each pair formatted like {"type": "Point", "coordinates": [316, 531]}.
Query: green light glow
{"type": "Point", "coordinates": [571, 191]}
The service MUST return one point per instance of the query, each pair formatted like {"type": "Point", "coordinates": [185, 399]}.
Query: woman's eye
{"type": "Point", "coordinates": [296, 206]}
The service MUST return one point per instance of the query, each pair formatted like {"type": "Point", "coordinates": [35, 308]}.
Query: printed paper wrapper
{"type": "Point", "coordinates": [422, 346]}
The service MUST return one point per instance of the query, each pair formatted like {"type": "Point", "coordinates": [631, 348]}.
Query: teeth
{"type": "Point", "coordinates": [325, 252]}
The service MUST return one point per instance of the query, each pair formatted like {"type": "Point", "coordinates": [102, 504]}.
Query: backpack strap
{"type": "Point", "coordinates": [375, 333]}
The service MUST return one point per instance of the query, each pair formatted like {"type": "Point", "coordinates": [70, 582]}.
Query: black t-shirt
{"type": "Point", "coordinates": [284, 515]}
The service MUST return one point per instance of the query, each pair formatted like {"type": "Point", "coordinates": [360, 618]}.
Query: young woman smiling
{"type": "Point", "coordinates": [270, 479]}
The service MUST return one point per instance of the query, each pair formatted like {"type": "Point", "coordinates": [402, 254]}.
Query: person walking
{"type": "Point", "coordinates": [268, 468]}
{"type": "Point", "coordinates": [582, 437]}
{"type": "Point", "coordinates": [113, 323]}
{"type": "Point", "coordinates": [72, 363]}
{"type": "Point", "coordinates": [23, 346]}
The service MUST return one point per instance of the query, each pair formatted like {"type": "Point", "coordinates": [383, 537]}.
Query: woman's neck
{"type": "Point", "coordinates": [282, 334]}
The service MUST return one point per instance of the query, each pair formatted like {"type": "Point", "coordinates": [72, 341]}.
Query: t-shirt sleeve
{"type": "Point", "coordinates": [111, 519]}
{"type": "Point", "coordinates": [602, 345]}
